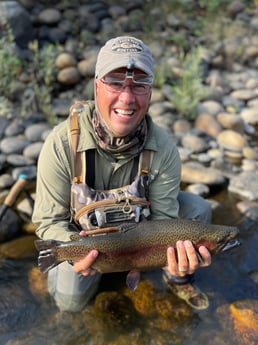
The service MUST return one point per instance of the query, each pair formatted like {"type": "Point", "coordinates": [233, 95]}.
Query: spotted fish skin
{"type": "Point", "coordinates": [136, 246]}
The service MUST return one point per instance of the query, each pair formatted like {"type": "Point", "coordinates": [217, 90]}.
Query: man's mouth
{"type": "Point", "coordinates": [124, 112]}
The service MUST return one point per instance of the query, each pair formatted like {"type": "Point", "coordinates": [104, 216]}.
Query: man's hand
{"type": "Point", "coordinates": [83, 266]}
{"type": "Point", "coordinates": [187, 260]}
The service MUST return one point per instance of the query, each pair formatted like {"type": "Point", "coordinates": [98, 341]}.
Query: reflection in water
{"type": "Point", "coordinates": [150, 315]}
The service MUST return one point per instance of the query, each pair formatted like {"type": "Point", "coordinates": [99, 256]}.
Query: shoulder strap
{"type": "Point", "coordinates": [74, 131]}
{"type": "Point", "coordinates": [90, 171]}
{"type": "Point", "coordinates": [145, 162]}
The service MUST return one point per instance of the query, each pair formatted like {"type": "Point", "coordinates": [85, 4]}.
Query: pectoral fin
{"type": "Point", "coordinates": [132, 279]}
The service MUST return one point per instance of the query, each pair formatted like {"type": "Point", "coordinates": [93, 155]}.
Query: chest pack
{"type": "Point", "coordinates": [93, 210]}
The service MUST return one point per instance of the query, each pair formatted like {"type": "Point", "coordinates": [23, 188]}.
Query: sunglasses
{"type": "Point", "coordinates": [115, 82]}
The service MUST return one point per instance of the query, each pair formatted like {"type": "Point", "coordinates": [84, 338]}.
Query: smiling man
{"type": "Point", "coordinates": [108, 163]}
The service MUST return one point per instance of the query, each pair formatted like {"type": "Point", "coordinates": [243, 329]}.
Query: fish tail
{"type": "Point", "coordinates": [47, 258]}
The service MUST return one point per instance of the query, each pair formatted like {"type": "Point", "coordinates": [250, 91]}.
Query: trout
{"type": "Point", "coordinates": [136, 246]}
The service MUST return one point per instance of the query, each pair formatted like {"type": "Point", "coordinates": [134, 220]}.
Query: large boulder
{"type": "Point", "coordinates": [19, 20]}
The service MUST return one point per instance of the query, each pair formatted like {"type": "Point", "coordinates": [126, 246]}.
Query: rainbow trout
{"type": "Point", "coordinates": [135, 246]}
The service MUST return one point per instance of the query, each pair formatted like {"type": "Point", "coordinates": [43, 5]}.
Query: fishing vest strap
{"type": "Point", "coordinates": [145, 162]}
{"type": "Point", "coordinates": [77, 162]}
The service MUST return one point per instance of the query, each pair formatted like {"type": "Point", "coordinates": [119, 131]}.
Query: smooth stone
{"type": "Point", "coordinates": [18, 160]}
{"type": "Point", "coordinates": [248, 208]}
{"type": "Point", "coordinates": [32, 151]}
{"type": "Point", "coordinates": [194, 143]}
{"type": "Point", "coordinates": [245, 185]}
{"type": "Point", "coordinates": [69, 76]}
{"type": "Point", "coordinates": [231, 140]}
{"type": "Point", "coordinates": [199, 189]}
{"type": "Point", "coordinates": [34, 131]}
{"type": "Point", "coordinates": [231, 121]}
{"type": "Point", "coordinates": [64, 60]}
{"type": "Point", "coordinates": [13, 145]}
{"type": "Point", "coordinates": [250, 115]}
{"type": "Point", "coordinates": [208, 124]}
{"type": "Point", "coordinates": [194, 172]}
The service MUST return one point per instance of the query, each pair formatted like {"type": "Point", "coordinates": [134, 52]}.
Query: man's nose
{"type": "Point", "coordinates": [127, 94]}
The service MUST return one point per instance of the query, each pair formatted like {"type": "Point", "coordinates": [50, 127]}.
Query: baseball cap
{"type": "Point", "coordinates": [124, 51]}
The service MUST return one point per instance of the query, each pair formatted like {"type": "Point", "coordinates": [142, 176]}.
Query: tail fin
{"type": "Point", "coordinates": [47, 254]}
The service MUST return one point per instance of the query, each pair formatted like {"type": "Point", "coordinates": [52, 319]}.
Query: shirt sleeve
{"type": "Point", "coordinates": [52, 204]}
{"type": "Point", "coordinates": [164, 189]}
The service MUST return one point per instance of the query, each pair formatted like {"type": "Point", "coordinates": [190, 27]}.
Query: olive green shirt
{"type": "Point", "coordinates": [52, 205]}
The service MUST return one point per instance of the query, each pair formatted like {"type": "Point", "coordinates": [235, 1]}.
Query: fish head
{"type": "Point", "coordinates": [219, 239]}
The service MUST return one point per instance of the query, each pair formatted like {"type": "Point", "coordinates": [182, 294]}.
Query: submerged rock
{"type": "Point", "coordinates": [245, 320]}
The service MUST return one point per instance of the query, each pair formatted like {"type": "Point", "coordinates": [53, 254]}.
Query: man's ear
{"type": "Point", "coordinates": [96, 84]}
{"type": "Point", "coordinates": [150, 95]}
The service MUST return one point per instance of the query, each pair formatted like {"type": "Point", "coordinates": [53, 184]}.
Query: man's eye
{"type": "Point", "coordinates": [115, 85]}
{"type": "Point", "coordinates": [139, 87]}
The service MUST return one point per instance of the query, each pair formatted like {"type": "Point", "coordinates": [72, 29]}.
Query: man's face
{"type": "Point", "coordinates": [123, 98]}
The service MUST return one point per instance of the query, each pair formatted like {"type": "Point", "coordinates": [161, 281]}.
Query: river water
{"type": "Point", "coordinates": [151, 315]}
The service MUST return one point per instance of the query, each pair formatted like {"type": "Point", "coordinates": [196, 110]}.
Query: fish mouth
{"type": "Point", "coordinates": [221, 248]}
{"type": "Point", "coordinates": [231, 244]}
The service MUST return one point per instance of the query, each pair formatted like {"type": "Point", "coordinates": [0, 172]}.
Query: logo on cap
{"type": "Point", "coordinates": [127, 45]}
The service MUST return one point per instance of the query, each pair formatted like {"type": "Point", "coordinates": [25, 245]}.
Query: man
{"type": "Point", "coordinates": [118, 130]}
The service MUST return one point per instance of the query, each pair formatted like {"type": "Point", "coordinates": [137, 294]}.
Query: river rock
{"type": "Point", "coordinates": [235, 7]}
{"type": "Point", "coordinates": [6, 180]}
{"type": "Point", "coordinates": [248, 165]}
{"type": "Point", "coordinates": [32, 151]}
{"type": "Point", "coordinates": [16, 160]}
{"type": "Point", "coordinates": [34, 132]}
{"type": "Point", "coordinates": [248, 208]}
{"type": "Point", "coordinates": [245, 320]}
{"type": "Point", "coordinates": [250, 115]}
{"type": "Point", "coordinates": [208, 124]}
{"type": "Point", "coordinates": [65, 60]}
{"type": "Point", "coordinates": [26, 205]}
{"type": "Point", "coordinates": [231, 121]}
{"type": "Point", "coordinates": [231, 140]}
{"type": "Point", "coordinates": [210, 107]}
{"type": "Point", "coordinates": [69, 76]}
{"type": "Point", "coordinates": [19, 19]}
{"type": "Point", "coordinates": [245, 185]}
{"type": "Point", "coordinates": [194, 143]}
{"type": "Point", "coordinates": [37, 283]}
{"type": "Point", "coordinates": [193, 172]}
{"type": "Point", "coordinates": [199, 189]}
{"type": "Point", "coordinates": [18, 248]}
{"type": "Point", "coordinates": [181, 126]}
{"type": "Point", "coordinates": [86, 67]}
{"type": "Point", "coordinates": [244, 94]}
{"type": "Point", "coordinates": [49, 16]}
{"type": "Point", "coordinates": [11, 145]}
{"type": "Point", "coordinates": [250, 153]}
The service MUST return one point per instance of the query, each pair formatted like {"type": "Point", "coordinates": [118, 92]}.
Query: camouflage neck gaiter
{"type": "Point", "coordinates": [131, 144]}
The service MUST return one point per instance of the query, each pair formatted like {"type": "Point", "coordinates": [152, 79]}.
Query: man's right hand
{"type": "Point", "coordinates": [83, 266]}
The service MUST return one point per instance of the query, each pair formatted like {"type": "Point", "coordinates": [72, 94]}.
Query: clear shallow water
{"type": "Point", "coordinates": [150, 315]}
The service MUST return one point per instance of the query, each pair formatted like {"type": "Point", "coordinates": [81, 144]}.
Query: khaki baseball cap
{"type": "Point", "coordinates": [124, 51]}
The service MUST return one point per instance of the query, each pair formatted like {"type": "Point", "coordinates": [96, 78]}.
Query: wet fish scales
{"type": "Point", "coordinates": [139, 246]}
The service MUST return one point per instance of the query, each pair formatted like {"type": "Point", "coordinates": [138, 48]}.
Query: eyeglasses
{"type": "Point", "coordinates": [115, 82]}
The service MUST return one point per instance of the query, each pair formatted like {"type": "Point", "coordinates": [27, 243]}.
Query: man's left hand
{"type": "Point", "coordinates": [185, 260]}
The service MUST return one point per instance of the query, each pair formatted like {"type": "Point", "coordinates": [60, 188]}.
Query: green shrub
{"type": "Point", "coordinates": [10, 64]}
{"type": "Point", "coordinates": [189, 89]}
{"type": "Point", "coordinates": [42, 68]}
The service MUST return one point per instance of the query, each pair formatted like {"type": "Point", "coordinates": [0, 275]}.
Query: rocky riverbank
{"type": "Point", "coordinates": [218, 147]}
